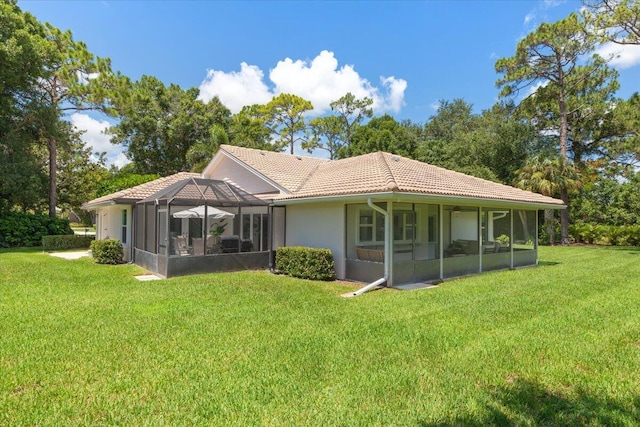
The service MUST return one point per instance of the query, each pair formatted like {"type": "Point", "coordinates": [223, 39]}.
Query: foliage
{"type": "Point", "coordinates": [382, 133]}
{"type": "Point", "coordinates": [603, 234]}
{"type": "Point", "coordinates": [25, 229]}
{"type": "Point", "coordinates": [108, 251]}
{"type": "Point", "coordinates": [159, 124]}
{"type": "Point", "coordinates": [70, 241]}
{"type": "Point", "coordinates": [350, 113]}
{"type": "Point", "coordinates": [613, 20]}
{"type": "Point", "coordinates": [326, 135]}
{"type": "Point", "coordinates": [306, 263]}
{"type": "Point", "coordinates": [552, 345]}
{"type": "Point", "coordinates": [248, 128]}
{"type": "Point", "coordinates": [284, 116]}
{"type": "Point", "coordinates": [117, 180]}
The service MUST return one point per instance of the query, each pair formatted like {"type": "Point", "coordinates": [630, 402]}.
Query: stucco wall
{"type": "Point", "coordinates": [318, 225]}
{"type": "Point", "coordinates": [110, 226]}
{"type": "Point", "coordinates": [240, 176]}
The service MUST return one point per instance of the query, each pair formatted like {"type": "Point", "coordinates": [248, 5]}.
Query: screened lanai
{"type": "Point", "coordinates": [201, 225]}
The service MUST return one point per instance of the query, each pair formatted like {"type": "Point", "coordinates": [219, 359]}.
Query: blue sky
{"type": "Point", "coordinates": [406, 55]}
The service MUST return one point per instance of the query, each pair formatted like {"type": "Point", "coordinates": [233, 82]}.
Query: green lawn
{"type": "Point", "coordinates": [87, 344]}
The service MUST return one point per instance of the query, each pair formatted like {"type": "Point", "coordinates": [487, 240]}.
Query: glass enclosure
{"type": "Point", "coordinates": [496, 239]}
{"type": "Point", "coordinates": [460, 240]}
{"type": "Point", "coordinates": [525, 226]}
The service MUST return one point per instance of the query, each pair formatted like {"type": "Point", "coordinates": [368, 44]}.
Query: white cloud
{"type": "Point", "coordinates": [236, 89]}
{"type": "Point", "coordinates": [529, 17]}
{"type": "Point", "coordinates": [620, 56]}
{"type": "Point", "coordinates": [95, 138]}
{"type": "Point", "coordinates": [320, 81]}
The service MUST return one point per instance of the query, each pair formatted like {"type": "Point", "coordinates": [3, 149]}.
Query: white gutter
{"type": "Point", "coordinates": [387, 248]}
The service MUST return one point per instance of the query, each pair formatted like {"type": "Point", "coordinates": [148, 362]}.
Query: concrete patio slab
{"type": "Point", "coordinates": [71, 254]}
{"type": "Point", "coordinates": [147, 277]}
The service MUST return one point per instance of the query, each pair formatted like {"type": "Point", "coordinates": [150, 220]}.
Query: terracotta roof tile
{"type": "Point", "coordinates": [384, 172]}
{"type": "Point", "coordinates": [285, 170]}
{"type": "Point", "coordinates": [141, 191]}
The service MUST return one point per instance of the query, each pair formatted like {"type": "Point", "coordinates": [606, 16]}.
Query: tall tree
{"type": "Point", "coordinates": [248, 128]}
{"type": "Point", "coordinates": [548, 60]}
{"type": "Point", "coordinates": [159, 124]}
{"type": "Point", "coordinates": [351, 112]}
{"type": "Point", "coordinates": [327, 133]}
{"type": "Point", "coordinates": [74, 80]}
{"type": "Point", "coordinates": [22, 60]}
{"type": "Point", "coordinates": [200, 154]}
{"type": "Point", "coordinates": [285, 118]}
{"type": "Point", "coordinates": [617, 21]}
{"type": "Point", "coordinates": [384, 133]}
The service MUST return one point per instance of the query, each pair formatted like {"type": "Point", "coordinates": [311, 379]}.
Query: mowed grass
{"type": "Point", "coordinates": [87, 344]}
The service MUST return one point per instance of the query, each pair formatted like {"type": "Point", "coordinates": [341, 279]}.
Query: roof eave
{"type": "Point", "coordinates": [439, 199]}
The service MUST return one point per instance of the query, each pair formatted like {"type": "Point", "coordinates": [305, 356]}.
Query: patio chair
{"type": "Point", "coordinates": [180, 245]}
{"type": "Point", "coordinates": [213, 244]}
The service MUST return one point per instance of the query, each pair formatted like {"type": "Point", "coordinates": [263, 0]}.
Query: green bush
{"type": "Point", "coordinates": [25, 229]}
{"type": "Point", "coordinates": [67, 241]}
{"type": "Point", "coordinates": [306, 263]}
{"type": "Point", "coordinates": [107, 251]}
{"type": "Point", "coordinates": [602, 234]}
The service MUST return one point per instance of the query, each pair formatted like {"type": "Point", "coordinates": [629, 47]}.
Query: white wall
{"type": "Point", "coordinates": [240, 176]}
{"type": "Point", "coordinates": [318, 225]}
{"type": "Point", "coordinates": [109, 226]}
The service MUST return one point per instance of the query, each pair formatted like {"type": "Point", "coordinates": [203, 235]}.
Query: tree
{"type": "Point", "coordinates": [548, 61]}
{"type": "Point", "coordinates": [248, 128]}
{"type": "Point", "coordinates": [327, 133]}
{"type": "Point", "coordinates": [22, 64]}
{"type": "Point", "coordinates": [285, 118]}
{"type": "Point", "coordinates": [617, 21]}
{"type": "Point", "coordinates": [548, 177]}
{"type": "Point", "coordinates": [351, 112]}
{"type": "Point", "coordinates": [159, 124]}
{"type": "Point", "coordinates": [384, 133]}
{"type": "Point", "coordinates": [74, 80]}
{"type": "Point", "coordinates": [200, 154]}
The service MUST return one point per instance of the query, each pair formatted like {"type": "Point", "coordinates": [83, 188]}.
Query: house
{"type": "Point", "coordinates": [383, 216]}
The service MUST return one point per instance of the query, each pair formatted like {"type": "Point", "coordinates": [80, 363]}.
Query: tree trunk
{"type": "Point", "coordinates": [548, 221]}
{"type": "Point", "coordinates": [564, 217]}
{"type": "Point", "coordinates": [53, 171]}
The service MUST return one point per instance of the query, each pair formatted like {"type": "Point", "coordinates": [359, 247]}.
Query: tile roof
{"type": "Point", "coordinates": [384, 172]}
{"type": "Point", "coordinates": [139, 192]}
{"type": "Point", "coordinates": [307, 177]}
{"type": "Point", "coordinates": [288, 171]}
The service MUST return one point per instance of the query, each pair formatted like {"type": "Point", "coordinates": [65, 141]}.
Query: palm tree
{"type": "Point", "coordinates": [549, 177]}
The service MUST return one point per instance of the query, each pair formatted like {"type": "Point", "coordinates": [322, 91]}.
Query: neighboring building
{"type": "Point", "coordinates": [381, 215]}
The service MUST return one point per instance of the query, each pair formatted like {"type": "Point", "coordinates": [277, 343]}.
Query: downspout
{"type": "Point", "coordinates": [387, 248]}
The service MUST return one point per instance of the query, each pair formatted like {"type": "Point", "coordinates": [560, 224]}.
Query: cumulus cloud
{"type": "Point", "coordinates": [236, 89]}
{"type": "Point", "coordinates": [320, 81]}
{"type": "Point", "coordinates": [620, 56]}
{"type": "Point", "coordinates": [94, 136]}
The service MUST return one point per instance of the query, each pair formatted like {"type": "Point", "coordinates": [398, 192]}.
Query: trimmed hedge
{"type": "Point", "coordinates": [107, 251]}
{"type": "Point", "coordinates": [26, 229]}
{"type": "Point", "coordinates": [306, 263]}
{"type": "Point", "coordinates": [66, 242]}
{"type": "Point", "coordinates": [600, 234]}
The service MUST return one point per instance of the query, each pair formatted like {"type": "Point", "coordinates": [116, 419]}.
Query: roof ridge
{"type": "Point", "coordinates": [390, 179]}
{"type": "Point", "coordinates": [309, 175]}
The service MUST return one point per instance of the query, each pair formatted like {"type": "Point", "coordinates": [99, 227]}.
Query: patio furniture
{"type": "Point", "coordinates": [198, 246]}
{"type": "Point", "coordinates": [180, 246]}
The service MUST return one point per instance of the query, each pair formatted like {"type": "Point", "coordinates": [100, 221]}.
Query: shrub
{"type": "Point", "coordinates": [25, 229]}
{"type": "Point", "coordinates": [306, 263]}
{"type": "Point", "coordinates": [107, 251]}
{"type": "Point", "coordinates": [601, 234]}
{"type": "Point", "coordinates": [67, 241]}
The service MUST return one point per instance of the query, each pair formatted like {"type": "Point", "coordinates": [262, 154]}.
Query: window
{"type": "Point", "coordinates": [124, 227]}
{"type": "Point", "coordinates": [371, 227]}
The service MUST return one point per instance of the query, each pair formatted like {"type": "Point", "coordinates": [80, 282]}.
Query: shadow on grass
{"type": "Point", "coordinates": [25, 250]}
{"type": "Point", "coordinates": [526, 403]}
{"type": "Point", "coordinates": [547, 263]}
